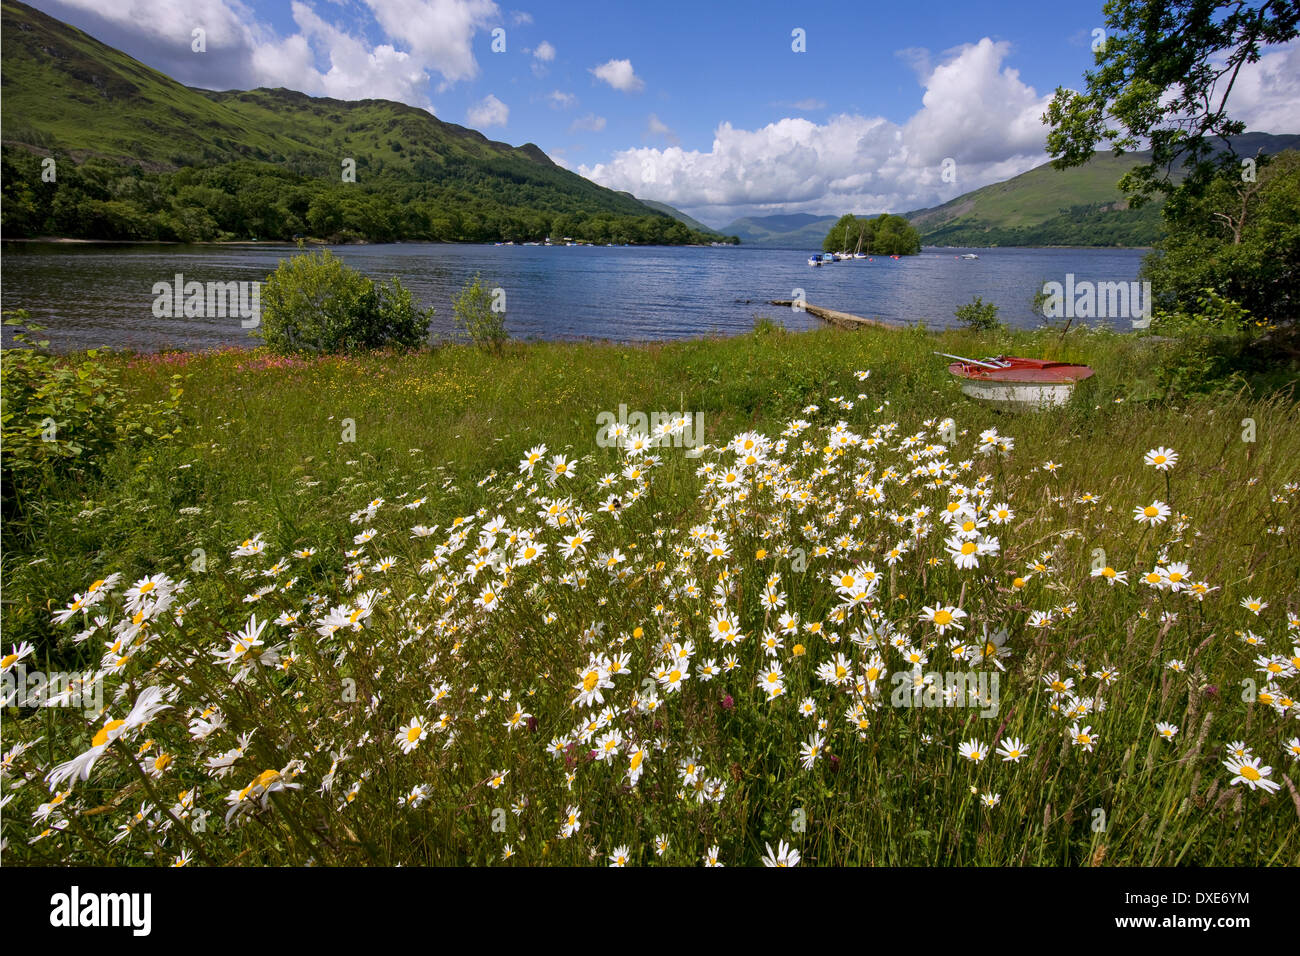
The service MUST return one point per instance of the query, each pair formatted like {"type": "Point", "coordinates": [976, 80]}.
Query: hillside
{"type": "Point", "coordinates": [680, 216]}
{"type": "Point", "coordinates": [68, 95]}
{"type": "Point", "coordinates": [786, 231]}
{"type": "Point", "coordinates": [1044, 206]}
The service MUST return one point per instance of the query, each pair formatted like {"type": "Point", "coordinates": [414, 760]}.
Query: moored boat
{"type": "Point", "coordinates": [1023, 384]}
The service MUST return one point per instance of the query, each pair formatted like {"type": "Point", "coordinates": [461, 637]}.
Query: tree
{"type": "Point", "coordinates": [844, 234]}
{"type": "Point", "coordinates": [315, 303]}
{"type": "Point", "coordinates": [1165, 69]}
{"type": "Point", "coordinates": [885, 235]}
{"type": "Point", "coordinates": [1239, 238]}
{"type": "Point", "coordinates": [475, 310]}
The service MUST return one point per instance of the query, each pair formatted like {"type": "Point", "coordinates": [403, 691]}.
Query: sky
{"type": "Point", "coordinates": [722, 109]}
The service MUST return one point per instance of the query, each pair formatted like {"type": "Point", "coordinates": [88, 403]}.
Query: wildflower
{"type": "Point", "coordinates": [943, 617]}
{"type": "Point", "coordinates": [560, 467]}
{"type": "Point", "coordinates": [973, 750]}
{"type": "Point", "coordinates": [572, 823]}
{"type": "Point", "coordinates": [17, 652]}
{"type": "Point", "coordinates": [1166, 730]}
{"type": "Point", "coordinates": [1152, 514]}
{"type": "Point", "coordinates": [711, 856]}
{"type": "Point", "coordinates": [785, 855]}
{"type": "Point", "coordinates": [1249, 772]}
{"type": "Point", "coordinates": [1161, 459]}
{"type": "Point", "coordinates": [1084, 738]}
{"type": "Point", "coordinates": [1112, 576]}
{"type": "Point", "coordinates": [1012, 750]}
{"type": "Point", "coordinates": [1254, 605]}
{"type": "Point", "coordinates": [810, 750]}
{"type": "Point", "coordinates": [409, 737]}
{"type": "Point", "coordinates": [772, 681]}
{"type": "Point", "coordinates": [148, 705]}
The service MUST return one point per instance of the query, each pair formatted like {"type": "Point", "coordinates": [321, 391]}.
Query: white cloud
{"type": "Point", "coordinates": [655, 128]}
{"type": "Point", "coordinates": [809, 104]}
{"type": "Point", "coordinates": [521, 17]}
{"type": "Point", "coordinates": [488, 111]}
{"type": "Point", "coordinates": [424, 39]}
{"type": "Point", "coordinates": [1266, 95]}
{"type": "Point", "coordinates": [974, 106]}
{"type": "Point", "coordinates": [544, 52]}
{"type": "Point", "coordinates": [620, 75]}
{"type": "Point", "coordinates": [590, 122]}
{"type": "Point", "coordinates": [973, 110]}
{"type": "Point", "coordinates": [560, 100]}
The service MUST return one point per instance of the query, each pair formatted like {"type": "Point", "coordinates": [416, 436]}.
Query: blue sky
{"type": "Point", "coordinates": [702, 105]}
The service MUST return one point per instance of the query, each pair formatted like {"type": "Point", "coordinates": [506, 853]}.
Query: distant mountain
{"type": "Point", "coordinates": [1080, 206]}
{"type": "Point", "coordinates": [272, 155]}
{"type": "Point", "coordinates": [680, 216]}
{"type": "Point", "coordinates": [787, 231]}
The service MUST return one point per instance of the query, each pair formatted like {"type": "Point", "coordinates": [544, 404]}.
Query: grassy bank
{"type": "Point", "coordinates": [493, 652]}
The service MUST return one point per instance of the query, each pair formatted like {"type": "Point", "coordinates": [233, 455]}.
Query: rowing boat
{"type": "Point", "coordinates": [1023, 384]}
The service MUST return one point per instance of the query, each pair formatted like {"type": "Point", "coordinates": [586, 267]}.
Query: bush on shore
{"type": "Point", "coordinates": [315, 303]}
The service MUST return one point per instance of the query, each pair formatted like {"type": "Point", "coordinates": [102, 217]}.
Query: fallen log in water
{"type": "Point", "coordinates": [844, 320]}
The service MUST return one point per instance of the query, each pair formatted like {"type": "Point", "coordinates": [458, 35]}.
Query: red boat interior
{"type": "Point", "coordinates": [1012, 369]}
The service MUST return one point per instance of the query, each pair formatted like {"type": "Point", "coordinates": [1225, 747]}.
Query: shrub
{"type": "Point", "coordinates": [979, 316]}
{"type": "Point", "coordinates": [766, 325]}
{"type": "Point", "coordinates": [61, 416]}
{"type": "Point", "coordinates": [1211, 348]}
{"type": "Point", "coordinates": [315, 303]}
{"type": "Point", "coordinates": [473, 310]}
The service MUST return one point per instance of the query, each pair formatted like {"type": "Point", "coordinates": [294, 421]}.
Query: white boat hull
{"type": "Point", "coordinates": [1019, 396]}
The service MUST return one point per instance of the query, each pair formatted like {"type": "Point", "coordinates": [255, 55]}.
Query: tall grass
{"type": "Point", "coordinates": [300, 452]}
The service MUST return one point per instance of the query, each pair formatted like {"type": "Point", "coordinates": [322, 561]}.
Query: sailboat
{"type": "Point", "coordinates": [845, 254]}
{"type": "Point", "coordinates": [858, 253]}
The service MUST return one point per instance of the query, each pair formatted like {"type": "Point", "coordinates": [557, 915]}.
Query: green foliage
{"type": "Point", "coordinates": [1164, 71]}
{"type": "Point", "coordinates": [978, 315]}
{"type": "Point", "coordinates": [61, 416]}
{"type": "Point", "coordinates": [1210, 348]}
{"type": "Point", "coordinates": [1240, 238]}
{"type": "Point", "coordinates": [884, 235]}
{"type": "Point", "coordinates": [473, 311]}
{"type": "Point", "coordinates": [314, 303]}
{"type": "Point", "coordinates": [1090, 224]}
{"type": "Point", "coordinates": [766, 325]}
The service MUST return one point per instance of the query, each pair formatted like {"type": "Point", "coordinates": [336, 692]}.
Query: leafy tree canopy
{"type": "Point", "coordinates": [1165, 70]}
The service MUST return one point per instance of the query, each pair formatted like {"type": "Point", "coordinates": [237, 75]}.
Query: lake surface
{"type": "Point", "coordinates": [89, 295]}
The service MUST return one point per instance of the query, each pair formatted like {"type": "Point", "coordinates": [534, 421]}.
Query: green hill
{"type": "Point", "coordinates": [112, 118]}
{"type": "Point", "coordinates": [1080, 206]}
{"type": "Point", "coordinates": [785, 231]}
{"type": "Point", "coordinates": [680, 216]}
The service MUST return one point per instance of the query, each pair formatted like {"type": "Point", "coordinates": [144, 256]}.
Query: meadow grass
{"type": "Point", "coordinates": [309, 472]}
